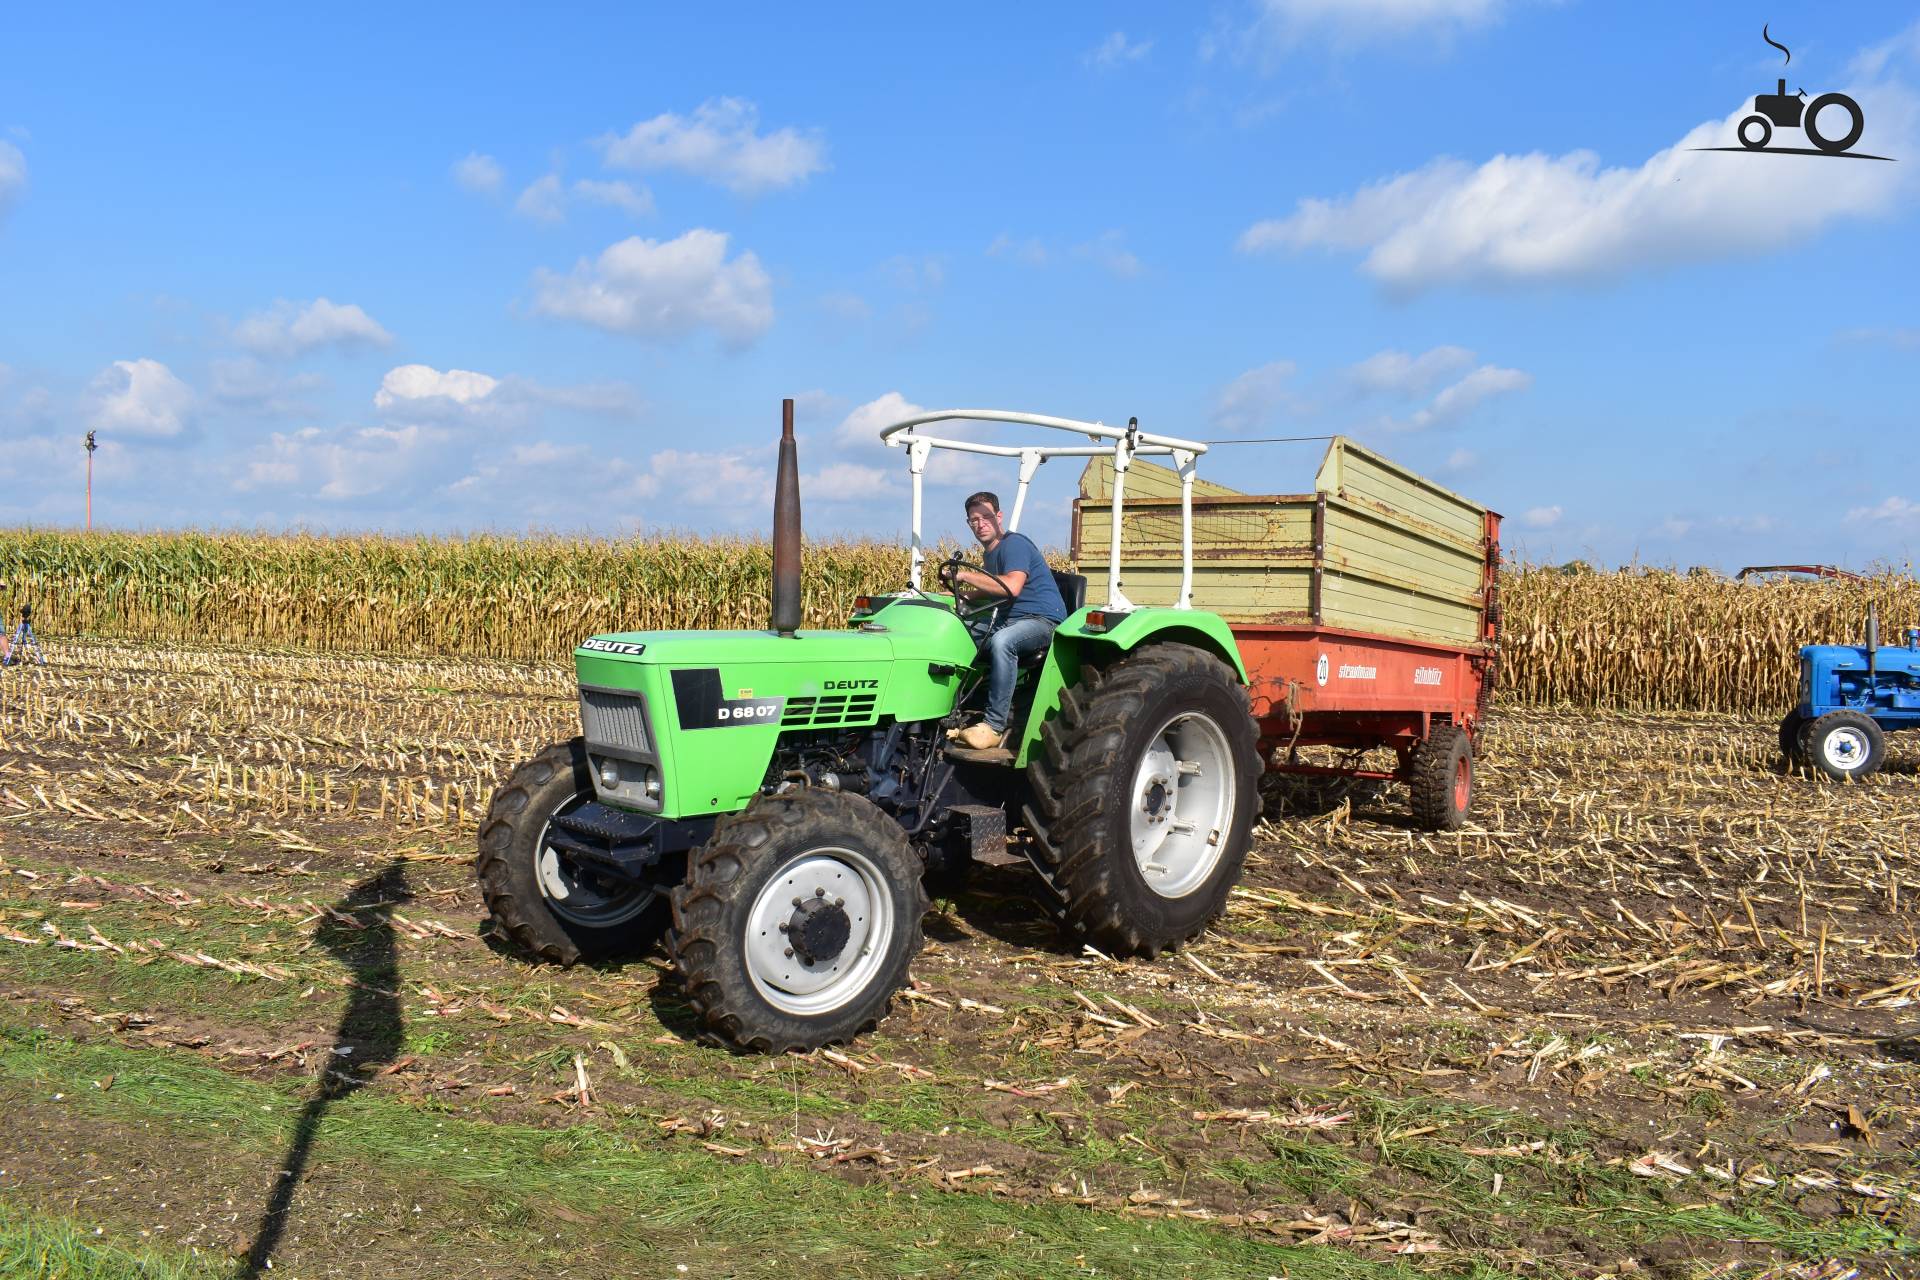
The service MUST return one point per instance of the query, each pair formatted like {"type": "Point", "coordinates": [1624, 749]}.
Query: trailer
{"type": "Point", "coordinates": [1366, 612]}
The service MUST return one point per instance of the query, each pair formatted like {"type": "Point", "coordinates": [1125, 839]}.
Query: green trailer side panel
{"type": "Point", "coordinates": [1362, 476]}
{"type": "Point", "coordinates": [1398, 555]}
{"type": "Point", "coordinates": [1144, 480]}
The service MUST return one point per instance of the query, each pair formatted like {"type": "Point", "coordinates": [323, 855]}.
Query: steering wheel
{"type": "Point", "coordinates": [949, 576]}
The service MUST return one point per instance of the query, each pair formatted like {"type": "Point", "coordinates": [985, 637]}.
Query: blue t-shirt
{"type": "Point", "coordinates": [1040, 597]}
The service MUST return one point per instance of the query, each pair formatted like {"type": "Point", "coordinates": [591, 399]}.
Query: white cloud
{"type": "Point", "coordinates": [1471, 391]}
{"type": "Point", "coordinates": [543, 200]}
{"type": "Point", "coordinates": [1898, 339]}
{"type": "Point", "coordinates": [1281, 25]}
{"type": "Point", "coordinates": [1030, 250]}
{"type": "Point", "coordinates": [546, 199]}
{"type": "Point", "coordinates": [1539, 218]}
{"type": "Point", "coordinates": [664, 289]}
{"type": "Point", "coordinates": [1459, 461]}
{"type": "Point", "coordinates": [288, 329]}
{"type": "Point", "coordinates": [543, 453]}
{"type": "Point", "coordinates": [846, 482]}
{"type": "Point", "coordinates": [480, 174]}
{"type": "Point", "coordinates": [682, 479]}
{"type": "Point", "coordinates": [13, 175]}
{"type": "Point", "coordinates": [1109, 251]}
{"type": "Point", "coordinates": [140, 398]}
{"type": "Point", "coordinates": [1117, 51]}
{"type": "Point", "coordinates": [346, 463]}
{"type": "Point", "coordinates": [1896, 511]}
{"type": "Point", "coordinates": [720, 142]}
{"type": "Point", "coordinates": [258, 387]}
{"type": "Point", "coordinates": [1255, 396]}
{"type": "Point", "coordinates": [860, 429]}
{"type": "Point", "coordinates": [412, 383]}
{"type": "Point", "coordinates": [1397, 373]}
{"type": "Point", "coordinates": [1541, 517]}
{"type": "Point", "coordinates": [624, 196]}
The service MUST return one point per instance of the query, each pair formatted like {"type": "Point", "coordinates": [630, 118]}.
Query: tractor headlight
{"type": "Point", "coordinates": [610, 774]}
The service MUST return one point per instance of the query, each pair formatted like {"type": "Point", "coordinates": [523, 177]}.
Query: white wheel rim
{"type": "Point", "coordinates": [1180, 806]}
{"type": "Point", "coordinates": [576, 899]}
{"type": "Point", "coordinates": [1845, 748]}
{"type": "Point", "coordinates": [846, 878]}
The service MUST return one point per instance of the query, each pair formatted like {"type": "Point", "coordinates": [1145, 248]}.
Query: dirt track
{"type": "Point", "coordinates": [1656, 1011]}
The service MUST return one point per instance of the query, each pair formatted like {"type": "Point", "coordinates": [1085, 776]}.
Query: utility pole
{"type": "Point", "coordinates": [91, 446]}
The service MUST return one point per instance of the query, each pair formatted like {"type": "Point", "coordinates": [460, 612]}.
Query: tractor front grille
{"type": "Point", "coordinates": [829, 711]}
{"type": "Point", "coordinates": [610, 718]}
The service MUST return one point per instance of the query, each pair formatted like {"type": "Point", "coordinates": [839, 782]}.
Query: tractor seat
{"type": "Point", "coordinates": [1073, 593]}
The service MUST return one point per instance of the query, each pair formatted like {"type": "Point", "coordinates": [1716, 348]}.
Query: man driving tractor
{"type": "Point", "coordinates": [1017, 573]}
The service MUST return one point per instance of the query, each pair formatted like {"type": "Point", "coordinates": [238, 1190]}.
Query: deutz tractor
{"type": "Point", "coordinates": [772, 802]}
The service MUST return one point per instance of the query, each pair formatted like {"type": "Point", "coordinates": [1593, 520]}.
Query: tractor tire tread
{"type": "Point", "coordinates": [517, 910]}
{"type": "Point", "coordinates": [717, 879]}
{"type": "Point", "coordinates": [1076, 864]}
{"type": "Point", "coordinates": [1431, 782]}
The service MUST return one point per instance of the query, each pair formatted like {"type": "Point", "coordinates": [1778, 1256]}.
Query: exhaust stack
{"type": "Point", "coordinates": [786, 530]}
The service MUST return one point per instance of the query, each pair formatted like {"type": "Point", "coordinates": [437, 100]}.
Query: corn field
{"type": "Point", "coordinates": [1633, 639]}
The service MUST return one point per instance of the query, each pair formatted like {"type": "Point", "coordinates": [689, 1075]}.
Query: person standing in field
{"type": "Point", "coordinates": [1018, 575]}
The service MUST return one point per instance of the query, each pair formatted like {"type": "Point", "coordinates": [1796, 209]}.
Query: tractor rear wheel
{"type": "Point", "coordinates": [1790, 726]}
{"type": "Point", "coordinates": [797, 921]}
{"type": "Point", "coordinates": [1442, 778]}
{"type": "Point", "coordinates": [1145, 789]}
{"type": "Point", "coordinates": [547, 904]}
{"type": "Point", "coordinates": [1845, 744]}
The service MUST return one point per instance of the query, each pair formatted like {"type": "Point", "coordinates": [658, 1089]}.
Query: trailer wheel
{"type": "Point", "coordinates": [542, 900]}
{"type": "Point", "coordinates": [1790, 750]}
{"type": "Point", "coordinates": [1845, 744]}
{"type": "Point", "coordinates": [797, 922]}
{"type": "Point", "coordinates": [1145, 790]}
{"type": "Point", "coordinates": [1442, 781]}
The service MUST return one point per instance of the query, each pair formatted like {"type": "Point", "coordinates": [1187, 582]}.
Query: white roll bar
{"type": "Point", "coordinates": [1128, 443]}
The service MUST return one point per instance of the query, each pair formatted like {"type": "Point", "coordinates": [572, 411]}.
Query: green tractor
{"type": "Point", "coordinates": [771, 802]}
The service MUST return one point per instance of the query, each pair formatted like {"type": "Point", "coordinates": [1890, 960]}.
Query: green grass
{"type": "Point", "coordinates": [46, 1247]}
{"type": "Point", "coordinates": [768, 1218]}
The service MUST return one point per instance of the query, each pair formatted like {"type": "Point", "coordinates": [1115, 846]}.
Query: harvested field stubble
{"type": "Point", "coordinates": [1638, 640]}
{"type": "Point", "coordinates": [1654, 1011]}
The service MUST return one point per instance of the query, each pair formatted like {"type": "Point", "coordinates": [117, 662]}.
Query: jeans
{"type": "Point", "coordinates": [1005, 645]}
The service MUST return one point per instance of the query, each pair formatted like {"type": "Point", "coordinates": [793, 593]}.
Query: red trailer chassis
{"type": "Point", "coordinates": [1312, 685]}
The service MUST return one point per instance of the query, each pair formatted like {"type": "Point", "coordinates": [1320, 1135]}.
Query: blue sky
{"type": "Point", "coordinates": [484, 267]}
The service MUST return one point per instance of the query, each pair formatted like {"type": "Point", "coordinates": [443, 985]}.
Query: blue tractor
{"type": "Point", "coordinates": [1850, 698]}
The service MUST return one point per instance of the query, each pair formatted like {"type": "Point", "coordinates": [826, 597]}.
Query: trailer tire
{"type": "Point", "coordinates": [1845, 745]}
{"type": "Point", "coordinates": [527, 886]}
{"type": "Point", "coordinates": [1118, 752]}
{"type": "Point", "coordinates": [1790, 747]}
{"type": "Point", "coordinates": [1442, 779]}
{"type": "Point", "coordinates": [727, 938]}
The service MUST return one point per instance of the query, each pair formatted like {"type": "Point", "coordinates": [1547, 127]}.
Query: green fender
{"type": "Point", "coordinates": [1073, 643]}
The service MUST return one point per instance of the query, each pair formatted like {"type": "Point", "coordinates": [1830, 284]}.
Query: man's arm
{"type": "Point", "coordinates": [982, 585]}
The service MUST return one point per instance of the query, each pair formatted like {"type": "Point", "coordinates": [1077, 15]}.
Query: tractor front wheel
{"type": "Point", "coordinates": [1845, 744]}
{"type": "Point", "coordinates": [553, 908]}
{"type": "Point", "coordinates": [797, 921]}
{"type": "Point", "coordinates": [1145, 791]}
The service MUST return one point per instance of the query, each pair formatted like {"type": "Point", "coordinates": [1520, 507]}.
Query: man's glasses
{"type": "Point", "coordinates": [980, 519]}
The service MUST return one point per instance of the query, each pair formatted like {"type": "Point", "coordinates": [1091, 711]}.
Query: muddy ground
{"type": "Point", "coordinates": [1653, 1013]}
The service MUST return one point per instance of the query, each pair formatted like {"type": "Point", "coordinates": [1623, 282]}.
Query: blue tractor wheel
{"type": "Point", "coordinates": [1845, 744]}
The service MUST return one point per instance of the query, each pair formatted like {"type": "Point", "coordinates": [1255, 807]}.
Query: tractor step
{"type": "Point", "coordinates": [991, 755]}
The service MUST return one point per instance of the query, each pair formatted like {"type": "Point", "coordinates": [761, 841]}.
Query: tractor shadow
{"type": "Point", "coordinates": [369, 1037]}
